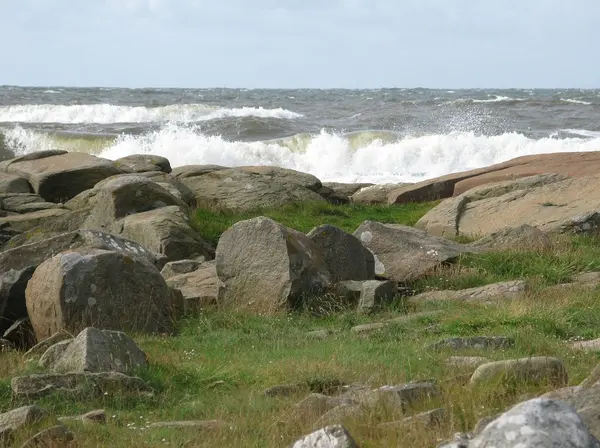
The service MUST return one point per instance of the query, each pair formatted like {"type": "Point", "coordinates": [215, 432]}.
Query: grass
{"type": "Point", "coordinates": [218, 364]}
{"type": "Point", "coordinates": [305, 216]}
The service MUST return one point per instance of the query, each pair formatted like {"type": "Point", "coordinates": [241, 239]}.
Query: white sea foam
{"type": "Point", "coordinates": [329, 156]}
{"type": "Point", "coordinates": [572, 101]}
{"type": "Point", "coordinates": [498, 99]}
{"type": "Point", "coordinates": [106, 113]}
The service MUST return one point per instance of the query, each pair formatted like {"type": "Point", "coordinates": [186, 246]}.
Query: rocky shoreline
{"type": "Point", "coordinates": [91, 248]}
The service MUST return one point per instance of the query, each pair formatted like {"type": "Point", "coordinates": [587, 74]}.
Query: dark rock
{"type": "Point", "coordinates": [12, 296]}
{"type": "Point", "coordinates": [141, 163]}
{"type": "Point", "coordinates": [21, 334]}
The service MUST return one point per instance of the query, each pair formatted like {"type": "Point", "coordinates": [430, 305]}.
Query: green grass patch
{"type": "Point", "coordinates": [305, 216]}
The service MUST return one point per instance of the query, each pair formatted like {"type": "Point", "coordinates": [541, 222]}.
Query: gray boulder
{"type": "Point", "coordinates": [9, 183]}
{"type": "Point", "coordinates": [200, 288]}
{"type": "Point", "coordinates": [403, 253]}
{"type": "Point", "coordinates": [57, 175]}
{"type": "Point", "coordinates": [95, 287]}
{"type": "Point", "coordinates": [375, 194]}
{"type": "Point", "coordinates": [329, 437]}
{"type": "Point", "coordinates": [141, 163]}
{"type": "Point", "coordinates": [96, 350]}
{"type": "Point", "coordinates": [538, 370]}
{"type": "Point", "coordinates": [367, 295]}
{"type": "Point", "coordinates": [173, 268]}
{"type": "Point", "coordinates": [345, 256]}
{"type": "Point", "coordinates": [268, 267]}
{"type": "Point", "coordinates": [502, 290]}
{"type": "Point", "coordinates": [22, 417]}
{"type": "Point", "coordinates": [524, 237]}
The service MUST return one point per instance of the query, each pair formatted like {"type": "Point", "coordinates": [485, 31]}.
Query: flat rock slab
{"type": "Point", "coordinates": [404, 253]}
{"type": "Point", "coordinates": [508, 289]}
{"type": "Point", "coordinates": [78, 385]}
{"type": "Point", "coordinates": [199, 288]}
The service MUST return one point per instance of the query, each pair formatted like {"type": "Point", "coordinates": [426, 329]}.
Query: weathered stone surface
{"type": "Point", "coordinates": [563, 206]}
{"type": "Point", "coordinates": [509, 289]}
{"type": "Point", "coordinates": [12, 296]}
{"type": "Point", "coordinates": [53, 353]}
{"type": "Point", "coordinates": [329, 437]}
{"type": "Point", "coordinates": [474, 342]}
{"type": "Point", "coordinates": [345, 189]}
{"type": "Point", "coordinates": [40, 348]}
{"type": "Point", "coordinates": [404, 396]}
{"type": "Point", "coordinates": [141, 163]}
{"type": "Point", "coordinates": [173, 185]}
{"type": "Point", "coordinates": [34, 254]}
{"type": "Point", "coordinates": [60, 176]}
{"type": "Point", "coordinates": [530, 370]}
{"type": "Point", "coordinates": [21, 334]}
{"type": "Point", "coordinates": [199, 288]}
{"type": "Point", "coordinates": [96, 417]}
{"type": "Point", "coordinates": [21, 417]}
{"type": "Point", "coordinates": [22, 223]}
{"type": "Point", "coordinates": [537, 423]}
{"type": "Point", "coordinates": [375, 194]}
{"type": "Point", "coordinates": [96, 350]}
{"type": "Point", "coordinates": [592, 379]}
{"type": "Point", "coordinates": [56, 436]}
{"type": "Point", "coordinates": [9, 183]}
{"type": "Point", "coordinates": [252, 188]}
{"type": "Point", "coordinates": [173, 268]}
{"type": "Point", "coordinates": [345, 256]}
{"type": "Point", "coordinates": [466, 362]}
{"type": "Point", "coordinates": [520, 238]}
{"type": "Point", "coordinates": [185, 171]}
{"type": "Point", "coordinates": [95, 287]}
{"type": "Point", "coordinates": [266, 266]}
{"type": "Point", "coordinates": [165, 231]}
{"type": "Point", "coordinates": [403, 253]}
{"type": "Point", "coordinates": [77, 385]}
{"type": "Point", "coordinates": [426, 420]}
{"type": "Point", "coordinates": [368, 328]}
{"type": "Point", "coordinates": [13, 201]}
{"type": "Point", "coordinates": [591, 346]}
{"type": "Point", "coordinates": [374, 294]}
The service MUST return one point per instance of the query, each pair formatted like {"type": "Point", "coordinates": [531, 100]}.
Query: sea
{"type": "Point", "coordinates": [377, 135]}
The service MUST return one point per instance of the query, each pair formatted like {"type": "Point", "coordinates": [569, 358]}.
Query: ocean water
{"type": "Point", "coordinates": [380, 136]}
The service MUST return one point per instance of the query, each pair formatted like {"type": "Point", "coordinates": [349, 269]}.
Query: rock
{"type": "Point", "coordinates": [185, 171]}
{"type": "Point", "coordinates": [509, 289]}
{"type": "Point", "coordinates": [22, 223]}
{"type": "Point", "coordinates": [59, 176]}
{"type": "Point", "coordinates": [38, 206]}
{"type": "Point", "coordinates": [530, 370]}
{"type": "Point", "coordinates": [6, 346]}
{"type": "Point", "coordinates": [368, 328]}
{"type": "Point", "coordinates": [283, 390]}
{"type": "Point", "coordinates": [426, 420]}
{"type": "Point", "coordinates": [342, 413]}
{"type": "Point", "coordinates": [562, 394]}
{"type": "Point", "coordinates": [405, 396]}
{"type": "Point", "coordinates": [375, 194]}
{"type": "Point", "coordinates": [243, 189]}
{"type": "Point", "coordinates": [319, 334]}
{"type": "Point", "coordinates": [53, 353]}
{"type": "Point", "coordinates": [345, 189]}
{"type": "Point", "coordinates": [57, 436]}
{"type": "Point", "coordinates": [482, 424]}
{"type": "Point", "coordinates": [592, 379]}
{"type": "Point", "coordinates": [40, 348]}
{"type": "Point", "coordinates": [537, 423]}
{"type": "Point", "coordinates": [591, 346]}
{"type": "Point", "coordinates": [9, 183]}
{"type": "Point", "coordinates": [95, 287]}
{"type": "Point", "coordinates": [21, 334]}
{"type": "Point", "coordinates": [96, 417]}
{"type": "Point", "coordinates": [78, 385]}
{"type": "Point", "coordinates": [266, 266]}
{"type": "Point", "coordinates": [423, 315]}
{"type": "Point", "coordinates": [12, 296]}
{"type": "Point", "coordinates": [318, 403]}
{"type": "Point", "coordinates": [21, 418]}
{"type": "Point", "coordinates": [559, 206]}
{"type": "Point", "coordinates": [165, 231]}
{"type": "Point", "coordinates": [173, 268]}
{"type": "Point", "coordinates": [403, 253]}
{"type": "Point", "coordinates": [345, 256]}
{"type": "Point", "coordinates": [374, 294]}
{"type": "Point", "coordinates": [199, 288]}
{"type": "Point", "coordinates": [466, 362]}
{"type": "Point", "coordinates": [330, 437]}
{"type": "Point", "coordinates": [520, 238]}
{"type": "Point", "coordinates": [96, 350]}
{"type": "Point", "coordinates": [213, 425]}
{"type": "Point", "coordinates": [141, 163]}
{"type": "Point", "coordinates": [588, 278]}
{"type": "Point", "coordinates": [173, 185]}
{"type": "Point", "coordinates": [474, 342]}
{"type": "Point", "coordinates": [12, 202]}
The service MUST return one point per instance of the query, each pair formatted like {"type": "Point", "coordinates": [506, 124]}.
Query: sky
{"type": "Point", "coordinates": [301, 43]}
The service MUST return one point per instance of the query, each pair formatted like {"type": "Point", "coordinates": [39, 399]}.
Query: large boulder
{"type": "Point", "coordinates": [142, 163]}
{"type": "Point", "coordinates": [57, 175]}
{"type": "Point", "coordinates": [537, 423]}
{"type": "Point", "coordinates": [268, 267]}
{"type": "Point", "coordinates": [101, 288]}
{"type": "Point", "coordinates": [251, 188]}
{"type": "Point", "coordinates": [550, 203]}
{"type": "Point", "coordinates": [96, 350]}
{"type": "Point", "coordinates": [345, 256]}
{"type": "Point", "coordinates": [9, 183]}
{"type": "Point", "coordinates": [20, 223]}
{"type": "Point", "coordinates": [538, 370]}
{"type": "Point", "coordinates": [576, 164]}
{"type": "Point", "coordinates": [165, 231]}
{"type": "Point", "coordinates": [403, 253]}
{"type": "Point", "coordinates": [375, 194]}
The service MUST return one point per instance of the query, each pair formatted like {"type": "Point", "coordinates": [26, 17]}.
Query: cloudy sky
{"type": "Point", "coordinates": [301, 43]}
